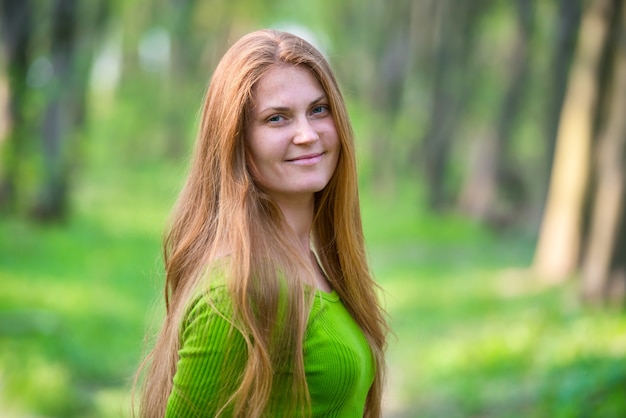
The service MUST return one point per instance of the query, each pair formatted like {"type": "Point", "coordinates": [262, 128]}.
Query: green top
{"type": "Point", "coordinates": [338, 363]}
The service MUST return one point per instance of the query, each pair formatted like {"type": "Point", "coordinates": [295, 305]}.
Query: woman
{"type": "Point", "coordinates": [271, 308]}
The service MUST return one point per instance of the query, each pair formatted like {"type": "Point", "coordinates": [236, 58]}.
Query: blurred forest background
{"type": "Point", "coordinates": [491, 146]}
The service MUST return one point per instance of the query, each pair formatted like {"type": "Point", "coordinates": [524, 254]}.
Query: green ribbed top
{"type": "Point", "coordinates": [338, 363]}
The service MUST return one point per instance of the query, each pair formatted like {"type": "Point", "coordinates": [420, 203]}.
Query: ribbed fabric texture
{"type": "Point", "coordinates": [338, 363]}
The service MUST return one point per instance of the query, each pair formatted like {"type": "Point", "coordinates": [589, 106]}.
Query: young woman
{"type": "Point", "coordinates": [271, 308]}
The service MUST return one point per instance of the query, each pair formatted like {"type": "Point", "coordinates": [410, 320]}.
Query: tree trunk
{"type": "Point", "coordinates": [492, 164]}
{"type": "Point", "coordinates": [451, 90]}
{"type": "Point", "coordinates": [16, 24]}
{"type": "Point", "coordinates": [59, 116]}
{"type": "Point", "coordinates": [560, 62]}
{"type": "Point", "coordinates": [557, 252]}
{"type": "Point", "coordinates": [181, 68]}
{"type": "Point", "coordinates": [604, 257]}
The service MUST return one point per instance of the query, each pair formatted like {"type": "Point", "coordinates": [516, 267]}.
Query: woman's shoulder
{"type": "Point", "coordinates": [211, 296]}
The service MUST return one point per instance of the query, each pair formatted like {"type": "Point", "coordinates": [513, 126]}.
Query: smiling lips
{"type": "Point", "coordinates": [307, 159]}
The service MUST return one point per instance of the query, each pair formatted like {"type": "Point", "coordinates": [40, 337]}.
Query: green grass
{"type": "Point", "coordinates": [75, 299]}
{"type": "Point", "coordinates": [475, 334]}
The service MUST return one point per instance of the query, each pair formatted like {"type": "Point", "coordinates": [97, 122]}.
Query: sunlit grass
{"type": "Point", "coordinates": [476, 335]}
{"type": "Point", "coordinates": [76, 298]}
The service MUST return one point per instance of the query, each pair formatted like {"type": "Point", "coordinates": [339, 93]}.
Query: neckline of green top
{"type": "Point", "coordinates": [331, 296]}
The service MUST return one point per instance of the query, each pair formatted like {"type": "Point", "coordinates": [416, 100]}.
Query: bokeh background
{"type": "Point", "coordinates": [491, 154]}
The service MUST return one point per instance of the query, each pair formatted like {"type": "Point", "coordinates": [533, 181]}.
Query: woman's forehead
{"type": "Point", "coordinates": [281, 85]}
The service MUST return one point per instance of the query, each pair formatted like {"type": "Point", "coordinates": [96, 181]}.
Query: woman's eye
{"type": "Point", "coordinates": [319, 109]}
{"type": "Point", "coordinates": [275, 119]}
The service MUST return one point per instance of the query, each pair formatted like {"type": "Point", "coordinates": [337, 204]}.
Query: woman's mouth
{"type": "Point", "coordinates": [306, 159]}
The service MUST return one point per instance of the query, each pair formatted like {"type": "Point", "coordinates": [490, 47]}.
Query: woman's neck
{"type": "Point", "coordinates": [299, 216]}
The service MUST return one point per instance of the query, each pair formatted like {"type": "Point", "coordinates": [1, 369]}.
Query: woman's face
{"type": "Point", "coordinates": [291, 138]}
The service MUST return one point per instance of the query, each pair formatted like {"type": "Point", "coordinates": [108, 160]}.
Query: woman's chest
{"type": "Point", "coordinates": [338, 362]}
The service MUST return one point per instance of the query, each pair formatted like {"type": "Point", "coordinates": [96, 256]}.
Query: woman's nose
{"type": "Point", "coordinates": [306, 132]}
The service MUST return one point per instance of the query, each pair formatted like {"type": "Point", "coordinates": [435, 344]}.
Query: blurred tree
{"type": "Point", "coordinates": [61, 75]}
{"type": "Point", "coordinates": [457, 24]}
{"type": "Point", "coordinates": [379, 41]}
{"type": "Point", "coordinates": [62, 113]}
{"type": "Point", "coordinates": [558, 248]}
{"type": "Point", "coordinates": [181, 66]}
{"type": "Point", "coordinates": [567, 25]}
{"type": "Point", "coordinates": [196, 45]}
{"type": "Point", "coordinates": [16, 24]}
{"type": "Point", "coordinates": [492, 173]}
{"type": "Point", "coordinates": [604, 263]}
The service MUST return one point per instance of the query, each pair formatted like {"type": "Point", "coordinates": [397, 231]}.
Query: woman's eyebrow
{"type": "Point", "coordinates": [279, 108]}
{"type": "Point", "coordinates": [319, 99]}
